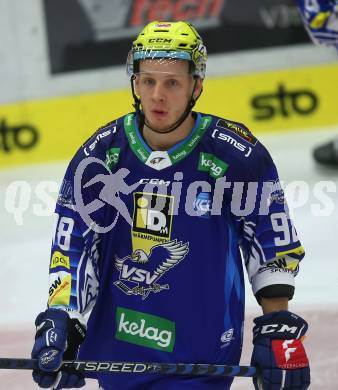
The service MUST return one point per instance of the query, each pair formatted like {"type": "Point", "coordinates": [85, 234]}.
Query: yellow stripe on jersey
{"type": "Point", "coordinates": [299, 251]}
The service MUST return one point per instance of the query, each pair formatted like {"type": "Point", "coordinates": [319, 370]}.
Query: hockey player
{"type": "Point", "coordinates": [152, 214]}
{"type": "Point", "coordinates": [320, 19]}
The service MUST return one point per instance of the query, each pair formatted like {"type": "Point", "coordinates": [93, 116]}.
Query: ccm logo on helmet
{"type": "Point", "coordinates": [163, 25]}
{"type": "Point", "coordinates": [280, 328]}
{"type": "Point", "coordinates": [160, 40]}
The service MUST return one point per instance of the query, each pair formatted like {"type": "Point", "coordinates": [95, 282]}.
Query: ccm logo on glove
{"type": "Point", "coordinates": [280, 328]}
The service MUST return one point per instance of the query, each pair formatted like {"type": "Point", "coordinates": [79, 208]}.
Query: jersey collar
{"type": "Point", "coordinates": [162, 159]}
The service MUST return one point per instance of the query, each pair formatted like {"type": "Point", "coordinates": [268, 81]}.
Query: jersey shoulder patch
{"type": "Point", "coordinates": [102, 135]}
{"type": "Point", "coordinates": [238, 128]}
{"type": "Point", "coordinates": [102, 131]}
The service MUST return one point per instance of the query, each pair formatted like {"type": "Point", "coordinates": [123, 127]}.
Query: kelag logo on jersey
{"type": "Point", "coordinates": [112, 157]}
{"type": "Point", "coordinates": [140, 272]}
{"type": "Point", "coordinates": [144, 329]}
{"type": "Point", "coordinates": [210, 163]}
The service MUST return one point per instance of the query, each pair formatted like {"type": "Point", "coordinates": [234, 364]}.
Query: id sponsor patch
{"type": "Point", "coordinates": [152, 220]}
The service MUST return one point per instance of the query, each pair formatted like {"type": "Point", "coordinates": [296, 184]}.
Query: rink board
{"type": "Point", "coordinates": [275, 101]}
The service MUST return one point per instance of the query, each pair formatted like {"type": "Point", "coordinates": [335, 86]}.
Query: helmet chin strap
{"type": "Point", "coordinates": [143, 120]}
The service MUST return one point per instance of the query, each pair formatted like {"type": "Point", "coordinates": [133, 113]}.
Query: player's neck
{"type": "Point", "coordinates": [158, 141]}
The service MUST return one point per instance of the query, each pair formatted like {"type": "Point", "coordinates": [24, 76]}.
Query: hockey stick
{"type": "Point", "coordinates": [124, 367]}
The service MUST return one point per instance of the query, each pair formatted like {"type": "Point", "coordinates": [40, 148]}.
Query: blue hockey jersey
{"type": "Point", "coordinates": [149, 246]}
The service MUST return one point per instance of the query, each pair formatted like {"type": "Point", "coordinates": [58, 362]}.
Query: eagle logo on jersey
{"type": "Point", "coordinates": [145, 270]}
{"type": "Point", "coordinates": [156, 160]}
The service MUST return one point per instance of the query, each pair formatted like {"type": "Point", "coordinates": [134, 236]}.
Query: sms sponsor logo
{"type": "Point", "coordinates": [230, 140]}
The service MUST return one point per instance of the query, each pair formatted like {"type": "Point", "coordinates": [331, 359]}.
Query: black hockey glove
{"type": "Point", "coordinates": [57, 338]}
{"type": "Point", "coordinates": [279, 353]}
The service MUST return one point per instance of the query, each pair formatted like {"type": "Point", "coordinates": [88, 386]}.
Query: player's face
{"type": "Point", "coordinates": [165, 89]}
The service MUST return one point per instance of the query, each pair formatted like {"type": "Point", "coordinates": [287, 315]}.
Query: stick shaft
{"type": "Point", "coordinates": [140, 367]}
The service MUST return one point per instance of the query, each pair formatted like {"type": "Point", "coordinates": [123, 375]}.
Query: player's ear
{"type": "Point", "coordinates": [198, 87]}
{"type": "Point", "coordinates": [137, 84]}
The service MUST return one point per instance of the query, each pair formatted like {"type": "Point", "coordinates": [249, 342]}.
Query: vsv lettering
{"type": "Point", "coordinates": [146, 269]}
